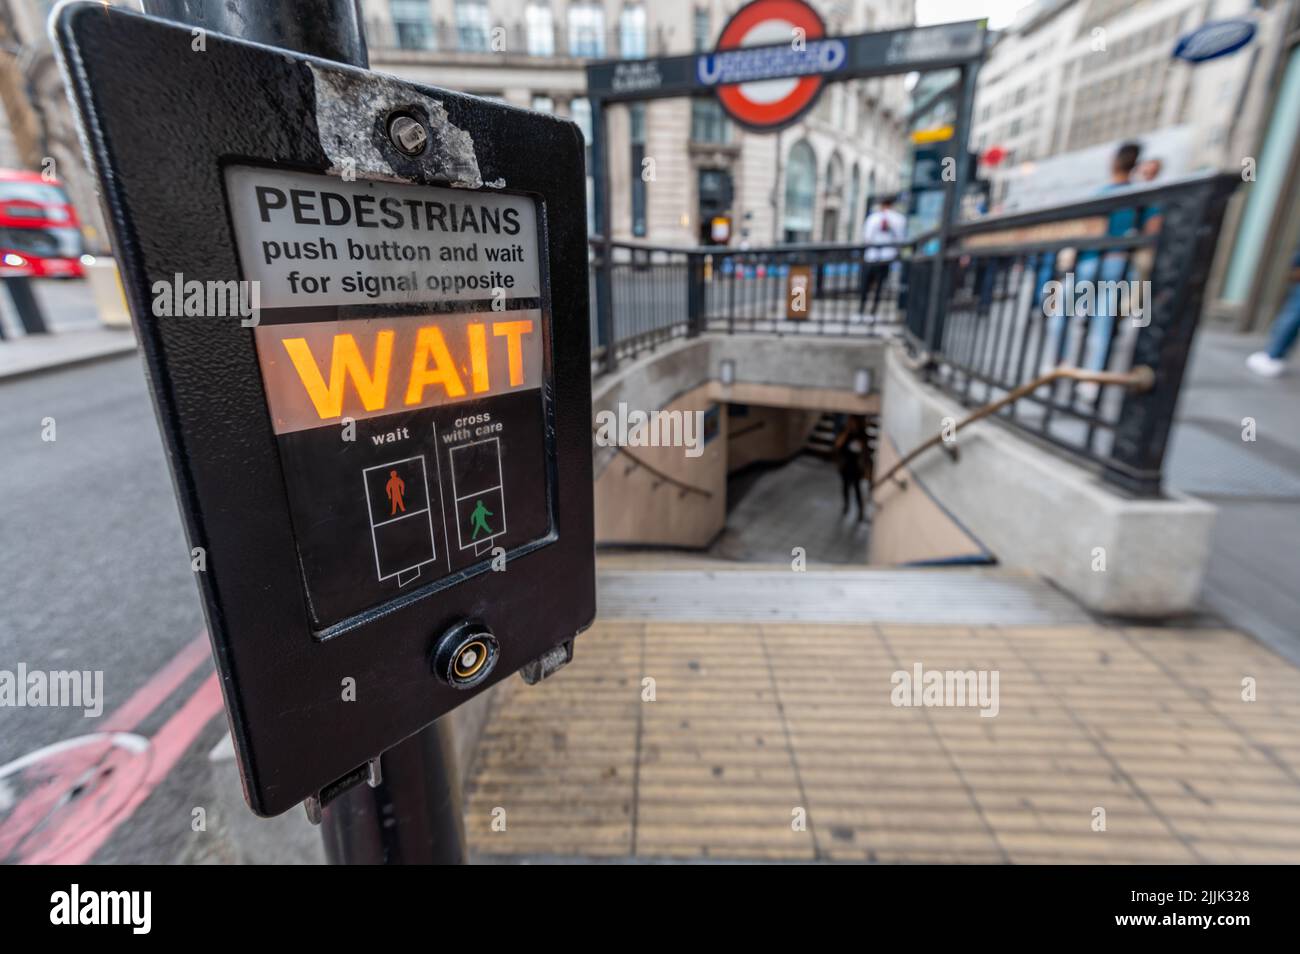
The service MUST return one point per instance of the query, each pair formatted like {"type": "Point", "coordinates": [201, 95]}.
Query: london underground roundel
{"type": "Point", "coordinates": [770, 87]}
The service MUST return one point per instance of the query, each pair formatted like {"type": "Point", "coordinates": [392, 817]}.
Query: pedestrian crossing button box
{"type": "Point", "coordinates": [371, 370]}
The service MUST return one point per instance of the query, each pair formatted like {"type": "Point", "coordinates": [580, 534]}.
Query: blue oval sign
{"type": "Point", "coordinates": [1211, 40]}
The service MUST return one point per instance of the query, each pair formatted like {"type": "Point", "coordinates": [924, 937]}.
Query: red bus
{"type": "Point", "coordinates": [40, 236]}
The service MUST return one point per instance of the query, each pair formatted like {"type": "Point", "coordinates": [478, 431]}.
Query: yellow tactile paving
{"type": "Point", "coordinates": [781, 742]}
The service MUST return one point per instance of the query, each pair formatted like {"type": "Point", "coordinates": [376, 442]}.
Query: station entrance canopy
{"type": "Point", "coordinates": [771, 63]}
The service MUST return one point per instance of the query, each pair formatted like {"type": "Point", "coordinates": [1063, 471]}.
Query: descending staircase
{"type": "Point", "coordinates": [821, 442]}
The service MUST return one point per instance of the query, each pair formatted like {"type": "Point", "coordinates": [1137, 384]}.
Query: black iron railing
{"type": "Point", "coordinates": [1110, 284]}
{"type": "Point", "coordinates": [658, 293]}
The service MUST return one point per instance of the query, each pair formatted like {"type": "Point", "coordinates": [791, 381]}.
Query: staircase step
{"type": "Point", "coordinates": [776, 594]}
{"type": "Point", "coordinates": [821, 440]}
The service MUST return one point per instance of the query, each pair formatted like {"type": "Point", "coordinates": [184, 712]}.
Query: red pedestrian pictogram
{"type": "Point", "coordinates": [395, 488]}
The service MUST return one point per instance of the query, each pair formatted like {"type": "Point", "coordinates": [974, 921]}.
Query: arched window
{"type": "Point", "coordinates": [632, 32]}
{"type": "Point", "coordinates": [833, 199]}
{"type": "Point", "coordinates": [834, 175]}
{"type": "Point", "coordinates": [800, 193]}
{"type": "Point", "coordinates": [586, 30]}
{"type": "Point", "coordinates": [540, 24]}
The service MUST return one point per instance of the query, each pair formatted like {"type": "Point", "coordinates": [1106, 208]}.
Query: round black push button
{"type": "Point", "coordinates": [466, 654]}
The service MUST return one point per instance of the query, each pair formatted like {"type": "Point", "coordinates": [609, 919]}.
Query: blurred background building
{"type": "Point", "coordinates": [38, 133]}
{"type": "Point", "coordinates": [810, 183]}
{"type": "Point", "coordinates": [1069, 80]}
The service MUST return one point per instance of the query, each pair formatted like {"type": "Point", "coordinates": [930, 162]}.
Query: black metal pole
{"type": "Point", "coordinates": [26, 305]}
{"type": "Point", "coordinates": [412, 817]}
{"type": "Point", "coordinates": [331, 29]}
{"type": "Point", "coordinates": [602, 220]}
{"type": "Point", "coordinates": [413, 814]}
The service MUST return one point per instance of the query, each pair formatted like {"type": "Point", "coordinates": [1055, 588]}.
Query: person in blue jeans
{"type": "Point", "coordinates": [1286, 329]}
{"type": "Point", "coordinates": [1100, 267]}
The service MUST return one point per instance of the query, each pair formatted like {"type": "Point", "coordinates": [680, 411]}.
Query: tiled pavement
{"type": "Point", "coordinates": [750, 723]}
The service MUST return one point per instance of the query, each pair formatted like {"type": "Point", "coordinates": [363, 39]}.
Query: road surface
{"type": "Point", "coordinates": [97, 577]}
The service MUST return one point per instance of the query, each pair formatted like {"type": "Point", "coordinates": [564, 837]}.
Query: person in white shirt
{"type": "Point", "coordinates": [882, 232]}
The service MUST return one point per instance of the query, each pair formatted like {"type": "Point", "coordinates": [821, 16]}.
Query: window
{"type": "Point", "coordinates": [708, 121]}
{"type": "Point", "coordinates": [632, 32]}
{"type": "Point", "coordinates": [540, 26]}
{"type": "Point", "coordinates": [851, 211]}
{"type": "Point", "coordinates": [580, 109]}
{"type": "Point", "coordinates": [412, 24]}
{"type": "Point", "coordinates": [544, 104]}
{"type": "Point", "coordinates": [833, 197]}
{"type": "Point", "coordinates": [700, 32]}
{"type": "Point", "coordinates": [473, 24]}
{"type": "Point", "coordinates": [586, 30]}
{"type": "Point", "coordinates": [800, 193]}
{"type": "Point", "coordinates": [636, 133]}
{"type": "Point", "coordinates": [834, 175]}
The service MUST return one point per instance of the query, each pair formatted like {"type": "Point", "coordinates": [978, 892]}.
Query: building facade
{"type": "Point", "coordinates": [39, 132]}
{"type": "Point", "coordinates": [675, 164]}
{"type": "Point", "coordinates": [1074, 76]}
{"type": "Point", "coordinates": [1070, 79]}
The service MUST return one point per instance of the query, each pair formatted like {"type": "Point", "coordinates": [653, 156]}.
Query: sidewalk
{"type": "Point", "coordinates": [754, 727]}
{"type": "Point", "coordinates": [35, 353]}
{"type": "Point", "coordinates": [1251, 580]}
{"type": "Point", "coordinates": [75, 335]}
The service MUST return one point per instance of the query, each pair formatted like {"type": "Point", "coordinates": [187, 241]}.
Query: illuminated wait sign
{"type": "Point", "coordinates": [321, 372]}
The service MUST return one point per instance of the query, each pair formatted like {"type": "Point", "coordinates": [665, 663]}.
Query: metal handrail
{"type": "Point", "coordinates": [1141, 378]}
{"type": "Point", "coordinates": [663, 478]}
{"type": "Point", "coordinates": [1122, 198]}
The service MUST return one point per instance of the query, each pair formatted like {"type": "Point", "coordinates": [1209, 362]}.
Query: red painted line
{"type": "Point", "coordinates": [39, 802]}
{"type": "Point", "coordinates": [160, 685]}
{"type": "Point", "coordinates": [166, 747]}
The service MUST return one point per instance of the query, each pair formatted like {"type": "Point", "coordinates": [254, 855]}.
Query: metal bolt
{"type": "Point", "coordinates": [408, 134]}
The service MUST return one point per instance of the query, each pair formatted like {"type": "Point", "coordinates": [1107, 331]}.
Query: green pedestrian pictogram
{"type": "Point", "coordinates": [479, 516]}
